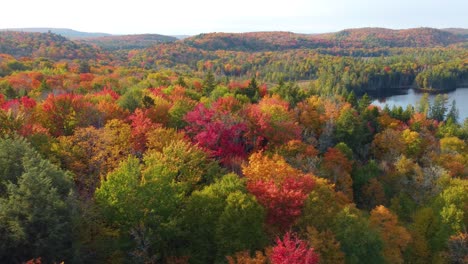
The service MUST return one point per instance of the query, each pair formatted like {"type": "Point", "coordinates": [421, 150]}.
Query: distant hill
{"type": "Point", "coordinates": [68, 33]}
{"type": "Point", "coordinates": [255, 41]}
{"type": "Point", "coordinates": [127, 42]}
{"type": "Point", "coordinates": [48, 45]}
{"type": "Point", "coordinates": [358, 38]}
{"type": "Point", "coordinates": [458, 31]}
{"type": "Point", "coordinates": [383, 37]}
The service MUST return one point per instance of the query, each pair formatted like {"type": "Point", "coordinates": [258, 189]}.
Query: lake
{"type": "Point", "coordinates": [411, 96]}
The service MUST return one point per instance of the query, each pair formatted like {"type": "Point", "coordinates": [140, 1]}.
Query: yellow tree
{"type": "Point", "coordinates": [395, 237]}
{"type": "Point", "coordinates": [326, 245]}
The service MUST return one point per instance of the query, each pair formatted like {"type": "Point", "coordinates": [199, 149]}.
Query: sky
{"type": "Point", "coordinates": [183, 17]}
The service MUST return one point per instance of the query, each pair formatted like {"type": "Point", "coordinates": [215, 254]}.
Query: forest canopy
{"type": "Point", "coordinates": [257, 147]}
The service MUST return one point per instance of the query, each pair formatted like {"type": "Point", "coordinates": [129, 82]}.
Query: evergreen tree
{"type": "Point", "coordinates": [438, 109]}
{"type": "Point", "coordinates": [209, 83]}
{"type": "Point", "coordinates": [453, 113]}
{"type": "Point", "coordinates": [36, 206]}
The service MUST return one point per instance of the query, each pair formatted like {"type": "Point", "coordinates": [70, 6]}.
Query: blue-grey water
{"type": "Point", "coordinates": [412, 97]}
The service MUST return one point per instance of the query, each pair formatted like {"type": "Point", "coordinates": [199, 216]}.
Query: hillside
{"type": "Point", "coordinates": [463, 32]}
{"type": "Point", "coordinates": [66, 32]}
{"type": "Point", "coordinates": [255, 41]}
{"type": "Point", "coordinates": [383, 37]}
{"type": "Point", "coordinates": [127, 42]}
{"type": "Point", "coordinates": [357, 38]}
{"type": "Point", "coordinates": [50, 45]}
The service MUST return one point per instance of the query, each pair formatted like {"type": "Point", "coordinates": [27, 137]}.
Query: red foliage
{"type": "Point", "coordinates": [24, 103]}
{"type": "Point", "coordinates": [61, 114]}
{"type": "Point", "coordinates": [34, 261]}
{"type": "Point", "coordinates": [141, 125]}
{"type": "Point", "coordinates": [292, 250]}
{"type": "Point", "coordinates": [108, 92]}
{"type": "Point", "coordinates": [271, 122]}
{"type": "Point", "coordinates": [27, 102]}
{"type": "Point", "coordinates": [283, 200]}
{"type": "Point", "coordinates": [217, 130]}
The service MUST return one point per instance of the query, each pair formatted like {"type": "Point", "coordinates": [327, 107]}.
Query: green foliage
{"type": "Point", "coordinates": [359, 242]}
{"type": "Point", "coordinates": [183, 165]}
{"type": "Point", "coordinates": [223, 219]}
{"type": "Point", "coordinates": [240, 225]}
{"type": "Point", "coordinates": [142, 202]}
{"type": "Point", "coordinates": [290, 92]}
{"type": "Point", "coordinates": [36, 208]}
{"type": "Point", "coordinates": [131, 100]}
{"type": "Point", "coordinates": [209, 83]}
{"type": "Point", "coordinates": [439, 107]}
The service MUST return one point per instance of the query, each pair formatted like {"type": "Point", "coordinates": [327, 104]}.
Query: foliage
{"type": "Point", "coordinates": [36, 206]}
{"type": "Point", "coordinates": [290, 249]}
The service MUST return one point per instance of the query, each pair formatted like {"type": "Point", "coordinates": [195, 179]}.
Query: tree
{"type": "Point", "coordinates": [394, 236]}
{"type": "Point", "coordinates": [184, 165]}
{"type": "Point", "coordinates": [270, 123]}
{"type": "Point", "coordinates": [142, 202]}
{"type": "Point", "coordinates": [63, 113]}
{"type": "Point", "coordinates": [349, 129]}
{"type": "Point", "coordinates": [423, 105]}
{"type": "Point", "coordinates": [291, 249]}
{"type": "Point", "coordinates": [453, 113]}
{"type": "Point", "coordinates": [439, 107]}
{"type": "Point", "coordinates": [218, 130]}
{"type": "Point", "coordinates": [388, 145]}
{"type": "Point", "coordinates": [452, 204]}
{"type": "Point", "coordinates": [232, 235]}
{"type": "Point", "coordinates": [326, 245]}
{"type": "Point", "coordinates": [223, 219]}
{"type": "Point", "coordinates": [252, 91]}
{"type": "Point", "coordinates": [363, 103]}
{"type": "Point", "coordinates": [337, 169]}
{"type": "Point", "coordinates": [321, 206]}
{"type": "Point", "coordinates": [131, 99]}
{"type": "Point", "coordinates": [36, 208]}
{"type": "Point", "coordinates": [280, 188]}
{"type": "Point", "coordinates": [359, 242]}
{"type": "Point", "coordinates": [209, 83]}
{"type": "Point", "coordinates": [141, 126]}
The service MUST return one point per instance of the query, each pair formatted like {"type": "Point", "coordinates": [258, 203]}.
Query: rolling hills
{"type": "Point", "coordinates": [357, 38]}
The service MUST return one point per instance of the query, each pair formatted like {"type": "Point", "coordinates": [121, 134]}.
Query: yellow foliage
{"type": "Point", "coordinates": [262, 167]}
{"type": "Point", "coordinates": [244, 257]}
{"type": "Point", "coordinates": [395, 237]}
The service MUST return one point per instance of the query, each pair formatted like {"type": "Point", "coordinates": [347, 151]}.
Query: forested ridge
{"type": "Point", "coordinates": [232, 148]}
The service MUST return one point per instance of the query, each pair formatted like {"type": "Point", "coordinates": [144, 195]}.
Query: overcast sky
{"type": "Point", "coordinates": [201, 16]}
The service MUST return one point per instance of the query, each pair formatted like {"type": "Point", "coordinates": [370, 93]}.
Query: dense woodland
{"type": "Point", "coordinates": [232, 148]}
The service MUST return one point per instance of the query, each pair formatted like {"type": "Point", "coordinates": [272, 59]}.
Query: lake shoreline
{"type": "Point", "coordinates": [405, 97]}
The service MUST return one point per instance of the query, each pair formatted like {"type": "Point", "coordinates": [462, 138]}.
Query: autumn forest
{"type": "Point", "coordinates": [247, 148]}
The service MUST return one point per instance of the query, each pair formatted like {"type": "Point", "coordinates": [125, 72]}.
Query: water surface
{"type": "Point", "coordinates": [460, 95]}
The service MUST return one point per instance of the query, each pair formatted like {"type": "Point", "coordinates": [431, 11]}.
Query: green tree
{"type": "Point", "coordinates": [359, 242]}
{"type": "Point", "coordinates": [131, 100]}
{"type": "Point", "coordinates": [252, 90]}
{"type": "Point", "coordinates": [453, 113]}
{"type": "Point", "coordinates": [423, 104]}
{"type": "Point", "coordinates": [222, 219]}
{"type": "Point", "coordinates": [364, 102]}
{"type": "Point", "coordinates": [209, 83]}
{"type": "Point", "coordinates": [36, 206]}
{"type": "Point", "coordinates": [141, 203]}
{"type": "Point", "coordinates": [439, 108]}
